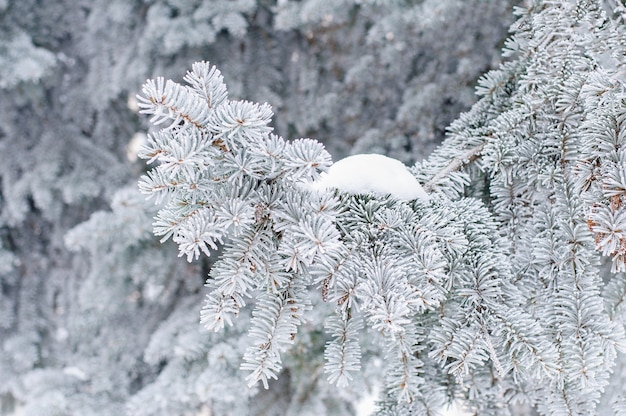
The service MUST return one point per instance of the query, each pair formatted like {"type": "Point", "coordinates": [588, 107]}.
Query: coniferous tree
{"type": "Point", "coordinates": [494, 291]}
{"type": "Point", "coordinates": [103, 318]}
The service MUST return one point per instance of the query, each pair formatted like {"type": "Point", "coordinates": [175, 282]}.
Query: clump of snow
{"type": "Point", "coordinates": [372, 173]}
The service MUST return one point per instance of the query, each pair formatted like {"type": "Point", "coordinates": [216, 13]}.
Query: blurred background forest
{"type": "Point", "coordinates": [96, 316]}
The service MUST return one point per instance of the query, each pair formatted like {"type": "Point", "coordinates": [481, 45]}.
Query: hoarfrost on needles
{"type": "Point", "coordinates": [372, 173]}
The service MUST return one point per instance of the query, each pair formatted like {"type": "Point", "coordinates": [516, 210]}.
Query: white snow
{"type": "Point", "coordinates": [378, 174]}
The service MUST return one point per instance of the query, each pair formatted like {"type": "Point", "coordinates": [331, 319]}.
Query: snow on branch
{"type": "Point", "coordinates": [382, 175]}
{"type": "Point", "coordinates": [485, 276]}
{"type": "Point", "coordinates": [225, 181]}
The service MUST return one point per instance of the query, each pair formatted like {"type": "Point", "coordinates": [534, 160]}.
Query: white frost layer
{"type": "Point", "coordinates": [360, 174]}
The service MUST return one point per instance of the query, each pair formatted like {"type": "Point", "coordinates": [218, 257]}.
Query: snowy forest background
{"type": "Point", "coordinates": [97, 317]}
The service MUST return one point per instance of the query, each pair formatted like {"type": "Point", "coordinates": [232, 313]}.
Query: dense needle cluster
{"type": "Point", "coordinates": [488, 291]}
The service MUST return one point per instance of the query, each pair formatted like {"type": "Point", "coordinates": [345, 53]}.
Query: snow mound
{"type": "Point", "coordinates": [372, 173]}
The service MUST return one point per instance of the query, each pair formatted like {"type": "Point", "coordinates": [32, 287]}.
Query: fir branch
{"type": "Point", "coordinates": [167, 100]}
{"type": "Point", "coordinates": [342, 354]}
{"type": "Point", "coordinates": [455, 164]}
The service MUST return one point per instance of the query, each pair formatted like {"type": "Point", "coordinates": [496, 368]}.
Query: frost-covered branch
{"type": "Point", "coordinates": [490, 282]}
